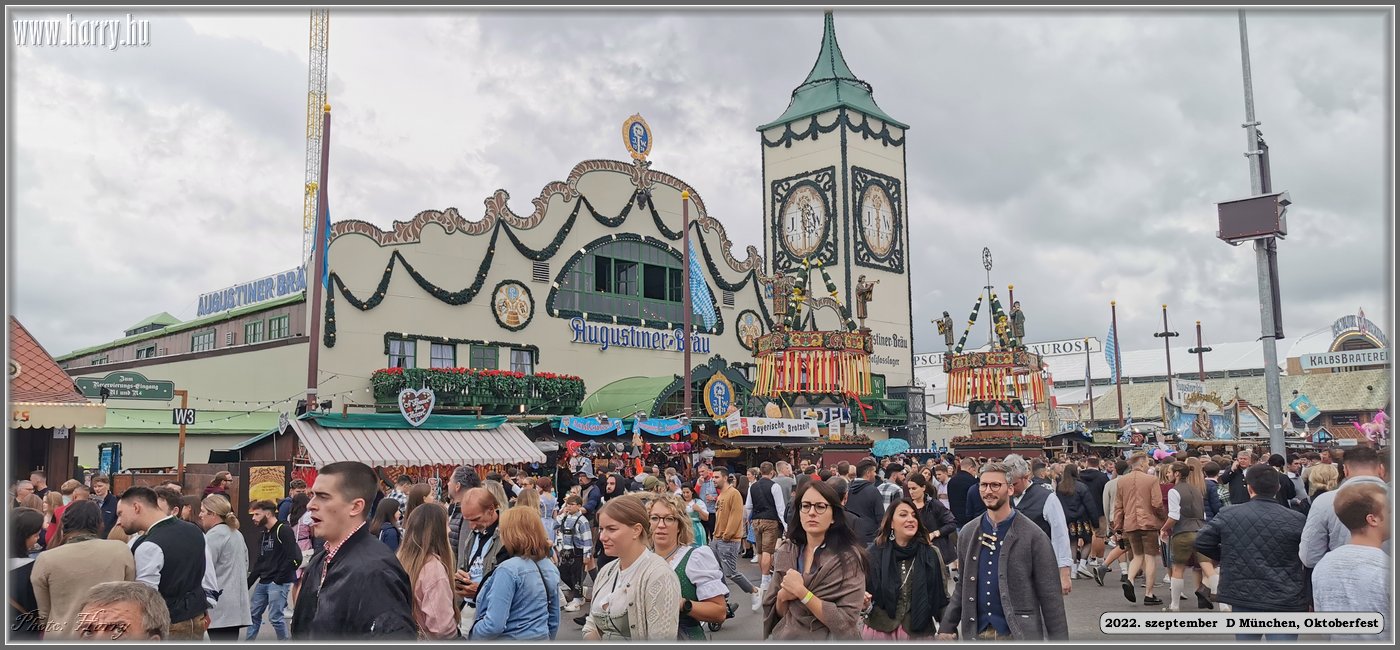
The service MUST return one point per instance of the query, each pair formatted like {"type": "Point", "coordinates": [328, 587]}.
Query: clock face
{"type": "Point", "coordinates": [877, 220]}
{"type": "Point", "coordinates": [804, 220]}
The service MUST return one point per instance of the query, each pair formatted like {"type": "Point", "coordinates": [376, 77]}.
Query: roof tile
{"type": "Point", "coordinates": [40, 379]}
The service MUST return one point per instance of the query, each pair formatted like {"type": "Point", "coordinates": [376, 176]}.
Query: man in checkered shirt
{"type": "Point", "coordinates": [893, 488]}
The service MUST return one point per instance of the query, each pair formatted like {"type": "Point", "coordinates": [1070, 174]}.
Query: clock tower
{"type": "Point", "coordinates": [833, 179]}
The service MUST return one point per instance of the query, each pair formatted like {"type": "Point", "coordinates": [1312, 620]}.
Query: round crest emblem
{"type": "Point", "coordinates": [636, 136]}
{"type": "Point", "coordinates": [512, 305]}
{"type": "Point", "coordinates": [749, 328]}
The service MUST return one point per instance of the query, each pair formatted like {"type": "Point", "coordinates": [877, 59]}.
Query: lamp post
{"type": "Point", "coordinates": [1260, 218]}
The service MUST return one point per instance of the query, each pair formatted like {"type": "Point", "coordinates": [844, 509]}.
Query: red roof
{"type": "Point", "coordinates": [40, 379]}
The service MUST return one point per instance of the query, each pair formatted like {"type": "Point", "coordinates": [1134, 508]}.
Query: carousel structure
{"type": "Point", "coordinates": [997, 386]}
{"type": "Point", "coordinates": [802, 368]}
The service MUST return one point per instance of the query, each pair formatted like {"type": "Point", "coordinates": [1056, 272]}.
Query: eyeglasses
{"type": "Point", "coordinates": [817, 507]}
{"type": "Point", "coordinates": [669, 521]}
{"type": "Point", "coordinates": [991, 486]}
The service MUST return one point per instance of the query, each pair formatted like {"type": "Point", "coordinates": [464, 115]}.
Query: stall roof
{"type": "Point", "coordinates": [625, 397]}
{"type": "Point", "coordinates": [326, 443]}
{"type": "Point", "coordinates": [43, 396]}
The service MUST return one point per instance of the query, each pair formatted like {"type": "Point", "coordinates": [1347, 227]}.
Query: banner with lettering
{"type": "Point", "coordinates": [770, 427]}
{"type": "Point", "coordinates": [590, 426]}
{"type": "Point", "coordinates": [664, 428]}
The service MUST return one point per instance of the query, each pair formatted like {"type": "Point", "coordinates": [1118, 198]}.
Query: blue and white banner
{"type": "Point", "coordinates": [590, 426]}
{"type": "Point", "coordinates": [665, 428]}
{"type": "Point", "coordinates": [702, 302]}
{"type": "Point", "coordinates": [1110, 354]}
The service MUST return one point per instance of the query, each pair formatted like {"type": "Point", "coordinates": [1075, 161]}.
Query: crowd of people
{"type": "Point", "coordinates": [896, 549]}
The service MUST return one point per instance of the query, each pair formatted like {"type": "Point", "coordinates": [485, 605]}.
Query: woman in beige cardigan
{"type": "Point", "coordinates": [64, 573]}
{"type": "Point", "coordinates": [636, 596]}
{"type": "Point", "coordinates": [818, 589]}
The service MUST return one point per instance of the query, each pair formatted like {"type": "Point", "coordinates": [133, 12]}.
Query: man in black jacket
{"type": "Point", "coordinates": [1234, 477]}
{"type": "Point", "coordinates": [169, 556]}
{"type": "Point", "coordinates": [274, 571]}
{"type": "Point", "coordinates": [1255, 544]}
{"type": "Point", "coordinates": [958, 487]}
{"type": "Point", "coordinates": [102, 494]}
{"type": "Point", "coordinates": [1094, 479]}
{"type": "Point", "coordinates": [864, 501]}
{"type": "Point", "coordinates": [354, 588]}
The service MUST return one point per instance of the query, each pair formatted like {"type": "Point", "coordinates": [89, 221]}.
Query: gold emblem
{"type": "Point", "coordinates": [636, 136]}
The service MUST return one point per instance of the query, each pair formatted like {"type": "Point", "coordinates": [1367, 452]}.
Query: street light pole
{"type": "Point", "coordinates": [1166, 335]}
{"type": "Point", "coordinates": [685, 295]}
{"type": "Point", "coordinates": [1274, 400]}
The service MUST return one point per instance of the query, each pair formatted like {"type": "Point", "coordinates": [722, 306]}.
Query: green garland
{"type": "Point", "coordinates": [528, 295]}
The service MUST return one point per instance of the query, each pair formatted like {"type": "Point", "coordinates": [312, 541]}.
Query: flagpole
{"type": "Point", "coordinates": [1089, 377]}
{"type": "Point", "coordinates": [685, 293]}
{"type": "Point", "coordinates": [313, 274]}
{"type": "Point", "coordinates": [1117, 362]}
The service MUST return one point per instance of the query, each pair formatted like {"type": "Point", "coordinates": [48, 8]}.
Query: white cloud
{"type": "Point", "coordinates": [1087, 149]}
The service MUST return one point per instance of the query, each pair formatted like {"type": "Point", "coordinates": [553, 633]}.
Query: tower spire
{"type": "Point", "coordinates": [831, 84]}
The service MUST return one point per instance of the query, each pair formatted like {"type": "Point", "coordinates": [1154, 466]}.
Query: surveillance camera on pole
{"type": "Point", "coordinates": [1256, 217]}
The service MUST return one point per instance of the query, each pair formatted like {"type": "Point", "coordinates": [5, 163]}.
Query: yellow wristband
{"type": "Point", "coordinates": [808, 598]}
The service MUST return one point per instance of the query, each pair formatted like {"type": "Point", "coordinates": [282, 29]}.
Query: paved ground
{"type": "Point", "coordinates": [1085, 604]}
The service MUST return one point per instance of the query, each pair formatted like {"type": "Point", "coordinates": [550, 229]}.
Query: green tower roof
{"type": "Point", "coordinates": [831, 84]}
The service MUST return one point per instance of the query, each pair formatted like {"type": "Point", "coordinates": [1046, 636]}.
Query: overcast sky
{"type": "Point", "coordinates": [1087, 149]}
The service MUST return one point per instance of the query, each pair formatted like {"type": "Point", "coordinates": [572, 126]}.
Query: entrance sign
{"type": "Point", "coordinates": [126, 385]}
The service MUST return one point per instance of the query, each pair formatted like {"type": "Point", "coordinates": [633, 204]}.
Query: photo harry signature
{"type": "Point", "coordinates": [89, 626]}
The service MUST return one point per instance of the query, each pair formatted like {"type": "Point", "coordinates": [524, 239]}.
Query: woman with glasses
{"type": "Point", "coordinates": [703, 594]}
{"type": "Point", "coordinates": [230, 613]}
{"type": "Point", "coordinates": [906, 580]}
{"type": "Point", "coordinates": [818, 573]}
{"type": "Point", "coordinates": [635, 597]}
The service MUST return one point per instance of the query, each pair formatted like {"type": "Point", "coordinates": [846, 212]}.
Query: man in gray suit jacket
{"type": "Point", "coordinates": [1006, 549]}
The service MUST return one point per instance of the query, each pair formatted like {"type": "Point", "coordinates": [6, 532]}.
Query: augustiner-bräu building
{"type": "Point", "coordinates": [582, 278]}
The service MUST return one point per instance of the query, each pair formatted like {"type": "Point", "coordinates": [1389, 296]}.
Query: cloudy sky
{"type": "Point", "coordinates": [1087, 149]}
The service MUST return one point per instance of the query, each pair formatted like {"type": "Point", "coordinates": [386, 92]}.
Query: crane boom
{"type": "Point", "coordinates": [315, 100]}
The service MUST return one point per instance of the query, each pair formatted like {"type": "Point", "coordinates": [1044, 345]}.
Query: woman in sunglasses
{"type": "Point", "coordinates": [818, 589]}
{"type": "Point", "coordinates": [703, 594]}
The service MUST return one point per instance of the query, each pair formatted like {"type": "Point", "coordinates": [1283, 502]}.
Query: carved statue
{"type": "Point", "coordinates": [865, 292]}
{"type": "Point", "coordinates": [1203, 427]}
{"type": "Point", "coordinates": [945, 327]}
{"type": "Point", "coordinates": [1018, 322]}
{"type": "Point", "coordinates": [782, 293]}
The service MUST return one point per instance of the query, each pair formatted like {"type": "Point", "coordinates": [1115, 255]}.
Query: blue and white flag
{"type": "Point", "coordinates": [1110, 354]}
{"type": "Point", "coordinates": [702, 302]}
{"type": "Point", "coordinates": [326, 246]}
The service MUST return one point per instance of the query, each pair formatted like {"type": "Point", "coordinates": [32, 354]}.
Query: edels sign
{"type": "Point", "coordinates": [996, 415]}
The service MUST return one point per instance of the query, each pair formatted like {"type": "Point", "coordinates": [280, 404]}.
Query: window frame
{"type": "Point", "coordinates": [407, 353]}
{"type": "Point", "coordinates": [528, 367]}
{"type": "Point", "coordinates": [150, 349]}
{"type": "Point", "coordinates": [449, 361]}
{"type": "Point", "coordinates": [595, 285]}
{"type": "Point", "coordinates": [210, 334]}
{"type": "Point", "coordinates": [253, 332]}
{"type": "Point", "coordinates": [472, 356]}
{"type": "Point", "coordinates": [285, 321]}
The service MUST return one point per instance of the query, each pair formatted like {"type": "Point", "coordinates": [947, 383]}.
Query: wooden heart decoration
{"type": "Point", "coordinates": [416, 405]}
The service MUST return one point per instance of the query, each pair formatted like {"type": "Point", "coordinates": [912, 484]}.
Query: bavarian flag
{"type": "Point", "coordinates": [702, 302]}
